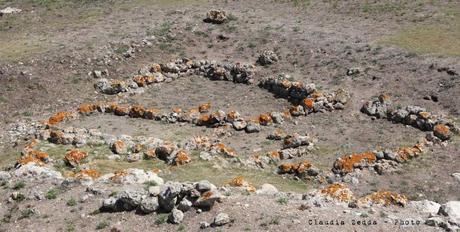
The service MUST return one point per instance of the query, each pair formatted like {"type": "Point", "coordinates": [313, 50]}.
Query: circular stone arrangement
{"type": "Point", "coordinates": [177, 198]}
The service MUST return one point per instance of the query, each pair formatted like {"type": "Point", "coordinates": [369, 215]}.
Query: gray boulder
{"type": "Point", "coordinates": [221, 219]}
{"type": "Point", "coordinates": [149, 205]}
{"type": "Point", "coordinates": [168, 195]}
{"type": "Point", "coordinates": [451, 210]}
{"type": "Point", "coordinates": [176, 216]}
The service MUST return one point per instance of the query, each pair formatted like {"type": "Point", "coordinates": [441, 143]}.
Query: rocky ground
{"type": "Point", "coordinates": [229, 115]}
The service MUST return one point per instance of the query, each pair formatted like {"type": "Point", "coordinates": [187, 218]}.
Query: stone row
{"type": "Point", "coordinates": [339, 193]}
{"type": "Point", "coordinates": [167, 72]}
{"type": "Point", "coordinates": [377, 160]}
{"type": "Point", "coordinates": [172, 197]}
{"type": "Point", "coordinates": [135, 148]}
{"type": "Point", "coordinates": [439, 128]}
{"type": "Point", "coordinates": [305, 97]}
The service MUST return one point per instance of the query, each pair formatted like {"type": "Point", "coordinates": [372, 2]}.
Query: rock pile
{"type": "Point", "coordinates": [216, 17]}
{"type": "Point", "coordinates": [305, 97]}
{"type": "Point", "coordinates": [174, 198]}
{"type": "Point", "coordinates": [340, 194]}
{"type": "Point", "coordinates": [441, 129]}
{"type": "Point", "coordinates": [267, 57]}
{"type": "Point", "coordinates": [377, 160]}
{"type": "Point", "coordinates": [157, 73]}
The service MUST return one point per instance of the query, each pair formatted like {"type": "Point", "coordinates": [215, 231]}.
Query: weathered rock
{"type": "Point", "coordinates": [267, 57]}
{"type": "Point", "coordinates": [154, 190]}
{"type": "Point", "coordinates": [451, 210]}
{"type": "Point", "coordinates": [455, 175]}
{"type": "Point", "coordinates": [129, 200]}
{"type": "Point", "coordinates": [138, 176]}
{"type": "Point", "coordinates": [109, 204]}
{"type": "Point", "coordinates": [436, 222]}
{"type": "Point", "coordinates": [119, 147]}
{"type": "Point", "coordinates": [207, 199]}
{"type": "Point", "coordinates": [166, 152]}
{"type": "Point", "coordinates": [277, 117]}
{"type": "Point", "coordinates": [204, 225]}
{"type": "Point", "coordinates": [216, 16]}
{"type": "Point", "coordinates": [10, 10]}
{"type": "Point", "coordinates": [267, 189]}
{"type": "Point", "coordinates": [425, 206]}
{"type": "Point", "coordinates": [252, 127]}
{"type": "Point", "coordinates": [184, 205]}
{"type": "Point", "coordinates": [168, 195]}
{"type": "Point", "coordinates": [204, 186]}
{"type": "Point", "coordinates": [296, 140]}
{"type": "Point", "coordinates": [239, 124]}
{"type": "Point", "coordinates": [149, 205]}
{"type": "Point", "coordinates": [33, 170]}
{"type": "Point", "coordinates": [442, 131]}
{"type": "Point", "coordinates": [176, 216]}
{"type": "Point", "coordinates": [221, 219]}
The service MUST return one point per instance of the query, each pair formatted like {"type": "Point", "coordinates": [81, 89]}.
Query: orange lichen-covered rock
{"type": "Point", "coordinates": [204, 120]}
{"type": "Point", "coordinates": [274, 155]}
{"type": "Point", "coordinates": [156, 68]}
{"type": "Point", "coordinates": [177, 110]}
{"type": "Point", "coordinates": [296, 110]}
{"type": "Point", "coordinates": [29, 147]}
{"type": "Point", "coordinates": [200, 143]}
{"type": "Point", "coordinates": [406, 153]}
{"type": "Point", "coordinates": [23, 160]}
{"type": "Point", "coordinates": [233, 115]}
{"type": "Point", "coordinates": [265, 119]}
{"type": "Point", "coordinates": [119, 147]}
{"type": "Point", "coordinates": [152, 113]}
{"type": "Point", "coordinates": [222, 149]}
{"type": "Point", "coordinates": [83, 174]}
{"type": "Point", "coordinates": [140, 80]}
{"type": "Point", "coordinates": [87, 108]}
{"type": "Point", "coordinates": [238, 182]}
{"type": "Point", "coordinates": [203, 108]}
{"type": "Point", "coordinates": [308, 103]}
{"type": "Point", "coordinates": [385, 98]}
{"type": "Point", "coordinates": [182, 157]}
{"type": "Point", "coordinates": [316, 94]}
{"type": "Point", "coordinates": [42, 156]}
{"type": "Point", "coordinates": [121, 110]}
{"type": "Point", "coordinates": [425, 115]}
{"type": "Point", "coordinates": [287, 114]}
{"type": "Point", "coordinates": [150, 154]}
{"type": "Point", "coordinates": [59, 117]}
{"type": "Point", "coordinates": [111, 107]}
{"type": "Point", "coordinates": [74, 157]}
{"type": "Point", "coordinates": [118, 175]}
{"type": "Point", "coordinates": [136, 111]}
{"type": "Point", "coordinates": [286, 84]}
{"type": "Point", "coordinates": [346, 164]}
{"type": "Point", "coordinates": [384, 198]}
{"type": "Point", "coordinates": [338, 192]}
{"type": "Point", "coordinates": [294, 168]}
{"type": "Point", "coordinates": [137, 148]}
{"type": "Point", "coordinates": [442, 131]}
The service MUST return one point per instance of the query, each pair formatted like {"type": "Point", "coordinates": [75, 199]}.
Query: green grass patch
{"type": "Point", "coordinates": [441, 39]}
{"type": "Point", "coordinates": [51, 194]}
{"type": "Point", "coordinates": [102, 225]}
{"type": "Point", "coordinates": [19, 185]}
{"type": "Point", "coordinates": [435, 40]}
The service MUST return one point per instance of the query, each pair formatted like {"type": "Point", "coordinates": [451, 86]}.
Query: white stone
{"type": "Point", "coordinates": [425, 206]}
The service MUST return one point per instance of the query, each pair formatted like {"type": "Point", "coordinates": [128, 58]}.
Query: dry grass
{"type": "Point", "coordinates": [437, 39]}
